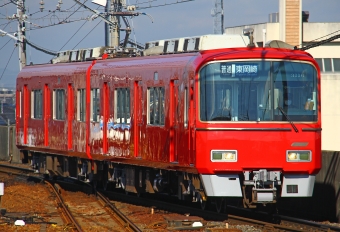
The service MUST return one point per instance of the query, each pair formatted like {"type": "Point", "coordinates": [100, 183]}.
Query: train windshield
{"type": "Point", "coordinates": [258, 91]}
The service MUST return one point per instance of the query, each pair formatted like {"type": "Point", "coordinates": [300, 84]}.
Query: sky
{"type": "Point", "coordinates": [189, 18]}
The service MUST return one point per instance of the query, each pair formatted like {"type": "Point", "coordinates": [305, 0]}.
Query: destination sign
{"type": "Point", "coordinates": [238, 70]}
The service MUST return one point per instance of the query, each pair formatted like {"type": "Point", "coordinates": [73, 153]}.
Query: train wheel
{"type": "Point", "coordinates": [203, 204]}
{"type": "Point", "coordinates": [105, 184]}
{"type": "Point", "coordinates": [220, 204]}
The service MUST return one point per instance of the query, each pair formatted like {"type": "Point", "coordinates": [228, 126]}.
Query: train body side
{"type": "Point", "coordinates": [68, 136]}
{"type": "Point", "coordinates": [180, 140]}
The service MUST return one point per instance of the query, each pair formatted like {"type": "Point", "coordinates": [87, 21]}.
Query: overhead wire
{"type": "Point", "coordinates": [5, 44]}
{"type": "Point", "coordinates": [321, 37]}
{"type": "Point", "coordinates": [7, 64]}
{"type": "Point", "coordinates": [5, 4]}
{"type": "Point", "coordinates": [72, 36]}
{"type": "Point", "coordinates": [86, 35]}
{"type": "Point", "coordinates": [77, 32]}
{"type": "Point", "coordinates": [47, 51]}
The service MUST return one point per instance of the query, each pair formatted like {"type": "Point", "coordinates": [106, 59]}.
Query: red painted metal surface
{"type": "Point", "coordinates": [157, 146]}
{"type": "Point", "coordinates": [47, 112]}
{"type": "Point", "coordinates": [70, 117]}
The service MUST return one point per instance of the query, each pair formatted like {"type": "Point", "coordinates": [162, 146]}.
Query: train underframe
{"type": "Point", "coordinates": [259, 187]}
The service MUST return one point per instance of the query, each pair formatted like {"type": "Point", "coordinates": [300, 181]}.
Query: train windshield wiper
{"type": "Point", "coordinates": [288, 119]}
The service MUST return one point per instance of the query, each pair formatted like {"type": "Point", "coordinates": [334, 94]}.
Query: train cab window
{"type": "Point", "coordinates": [258, 91]}
{"type": "Point", "coordinates": [156, 105]}
{"type": "Point", "coordinates": [36, 104]}
{"type": "Point", "coordinates": [59, 104]}
{"type": "Point", "coordinates": [81, 103]}
{"type": "Point", "coordinates": [95, 105]}
{"type": "Point", "coordinates": [122, 106]}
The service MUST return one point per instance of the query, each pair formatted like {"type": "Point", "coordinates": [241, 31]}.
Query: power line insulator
{"type": "Point", "coordinates": [42, 3]}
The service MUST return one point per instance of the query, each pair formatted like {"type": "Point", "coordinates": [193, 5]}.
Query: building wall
{"type": "Point", "coordinates": [292, 22]}
{"type": "Point", "coordinates": [314, 31]}
{"type": "Point", "coordinates": [330, 114]}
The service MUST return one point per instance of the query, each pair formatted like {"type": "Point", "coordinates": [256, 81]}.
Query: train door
{"type": "Point", "coordinates": [26, 112]}
{"type": "Point", "coordinates": [70, 108]}
{"type": "Point", "coordinates": [138, 118]}
{"type": "Point", "coordinates": [47, 112]}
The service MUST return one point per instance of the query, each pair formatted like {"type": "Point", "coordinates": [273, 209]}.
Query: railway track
{"type": "Point", "coordinates": [87, 213]}
{"type": "Point", "coordinates": [263, 221]}
{"type": "Point", "coordinates": [241, 217]}
{"type": "Point", "coordinates": [120, 218]}
{"type": "Point", "coordinates": [79, 211]}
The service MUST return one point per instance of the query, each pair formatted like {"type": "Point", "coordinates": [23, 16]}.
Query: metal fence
{"type": "Point", "coordinates": [8, 148]}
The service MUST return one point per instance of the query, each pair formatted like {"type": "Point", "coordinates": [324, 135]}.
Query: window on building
{"type": "Point", "coordinates": [327, 65]}
{"type": "Point", "coordinates": [319, 61]}
{"type": "Point", "coordinates": [336, 64]}
{"type": "Point", "coordinates": [36, 104]}
{"type": "Point", "coordinates": [81, 103]}
{"type": "Point", "coordinates": [122, 105]}
{"type": "Point", "coordinates": [95, 105]}
{"type": "Point", "coordinates": [156, 105]}
{"type": "Point", "coordinates": [59, 104]}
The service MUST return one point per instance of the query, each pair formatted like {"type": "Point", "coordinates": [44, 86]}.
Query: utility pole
{"type": "Point", "coordinates": [21, 32]}
{"type": "Point", "coordinates": [218, 15]}
{"type": "Point", "coordinates": [112, 35]}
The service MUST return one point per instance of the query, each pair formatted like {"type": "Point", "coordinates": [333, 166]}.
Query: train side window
{"type": "Point", "coordinates": [156, 105]}
{"type": "Point", "coordinates": [95, 105]}
{"type": "Point", "coordinates": [186, 103]}
{"type": "Point", "coordinates": [36, 104]}
{"type": "Point", "coordinates": [122, 105]}
{"type": "Point", "coordinates": [59, 104]}
{"type": "Point", "coordinates": [81, 103]}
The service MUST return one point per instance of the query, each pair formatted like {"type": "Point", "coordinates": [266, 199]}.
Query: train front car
{"type": "Point", "coordinates": [258, 124]}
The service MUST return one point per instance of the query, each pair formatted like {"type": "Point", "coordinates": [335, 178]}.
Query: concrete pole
{"type": "Point", "coordinates": [112, 35]}
{"type": "Point", "coordinates": [21, 33]}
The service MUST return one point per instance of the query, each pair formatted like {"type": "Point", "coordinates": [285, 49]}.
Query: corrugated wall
{"type": "Point", "coordinates": [7, 146]}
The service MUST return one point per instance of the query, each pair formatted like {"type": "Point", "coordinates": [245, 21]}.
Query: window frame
{"type": "Point", "coordinates": [81, 105]}
{"type": "Point", "coordinates": [59, 106]}
{"type": "Point", "coordinates": [122, 105]}
{"type": "Point", "coordinates": [157, 92]}
{"type": "Point", "coordinates": [95, 105]}
{"type": "Point", "coordinates": [36, 104]}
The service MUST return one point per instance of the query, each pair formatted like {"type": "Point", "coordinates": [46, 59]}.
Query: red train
{"type": "Point", "coordinates": [230, 122]}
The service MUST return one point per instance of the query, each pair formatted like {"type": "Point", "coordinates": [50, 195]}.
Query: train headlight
{"type": "Point", "coordinates": [299, 156]}
{"type": "Point", "coordinates": [223, 156]}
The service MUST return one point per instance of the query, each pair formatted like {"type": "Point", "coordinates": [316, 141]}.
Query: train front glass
{"type": "Point", "coordinates": [259, 90]}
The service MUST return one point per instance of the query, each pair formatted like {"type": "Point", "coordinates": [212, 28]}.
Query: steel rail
{"type": "Point", "coordinates": [121, 218]}
{"type": "Point", "coordinates": [265, 224]}
{"type": "Point", "coordinates": [69, 215]}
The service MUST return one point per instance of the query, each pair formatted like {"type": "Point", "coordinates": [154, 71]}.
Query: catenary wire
{"type": "Point", "coordinates": [73, 35]}
{"type": "Point", "coordinates": [7, 64]}
{"type": "Point", "coordinates": [5, 44]}
{"type": "Point", "coordinates": [5, 4]}
{"type": "Point", "coordinates": [86, 35]}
